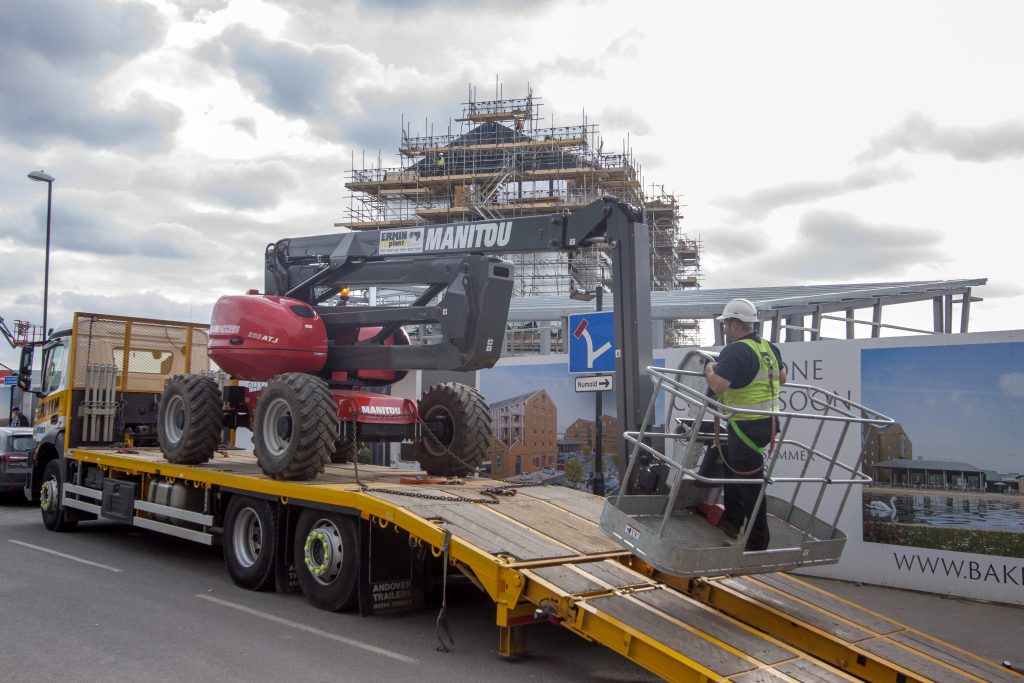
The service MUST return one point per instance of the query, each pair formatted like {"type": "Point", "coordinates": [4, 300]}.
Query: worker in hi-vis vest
{"type": "Point", "coordinates": [746, 377]}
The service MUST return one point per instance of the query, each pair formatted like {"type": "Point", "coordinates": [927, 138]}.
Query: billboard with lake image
{"type": "Point", "coordinates": [954, 482]}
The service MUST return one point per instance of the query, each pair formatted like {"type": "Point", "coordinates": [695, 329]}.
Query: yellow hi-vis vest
{"type": "Point", "coordinates": [763, 391]}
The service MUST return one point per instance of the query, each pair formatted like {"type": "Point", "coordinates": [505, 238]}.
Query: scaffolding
{"type": "Point", "coordinates": [499, 160]}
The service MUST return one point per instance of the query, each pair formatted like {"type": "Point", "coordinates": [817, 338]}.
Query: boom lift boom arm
{"type": "Point", "coordinates": [461, 260]}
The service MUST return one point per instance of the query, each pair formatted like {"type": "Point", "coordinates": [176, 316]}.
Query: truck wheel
{"type": "Point", "coordinates": [54, 517]}
{"type": "Point", "coordinates": [190, 419]}
{"type": "Point", "coordinates": [250, 542]}
{"type": "Point", "coordinates": [345, 451]}
{"type": "Point", "coordinates": [326, 559]}
{"type": "Point", "coordinates": [296, 427]}
{"type": "Point", "coordinates": [460, 431]}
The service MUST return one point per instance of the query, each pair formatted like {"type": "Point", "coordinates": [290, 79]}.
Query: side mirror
{"type": "Point", "coordinates": [25, 368]}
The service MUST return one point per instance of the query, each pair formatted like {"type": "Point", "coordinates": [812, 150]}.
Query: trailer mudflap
{"type": "Point", "coordinates": [392, 573]}
{"type": "Point", "coordinates": [285, 578]}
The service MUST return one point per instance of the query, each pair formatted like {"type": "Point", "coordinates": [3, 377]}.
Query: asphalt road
{"type": "Point", "coordinates": [107, 602]}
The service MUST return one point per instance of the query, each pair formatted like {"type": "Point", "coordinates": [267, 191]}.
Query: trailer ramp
{"type": "Point", "coordinates": [540, 554]}
{"type": "Point", "coordinates": [553, 563]}
{"type": "Point", "coordinates": [837, 631]}
{"type": "Point", "coordinates": [665, 631]}
{"type": "Point", "coordinates": [542, 557]}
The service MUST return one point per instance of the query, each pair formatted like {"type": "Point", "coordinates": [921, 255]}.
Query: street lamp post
{"type": "Point", "coordinates": [43, 177]}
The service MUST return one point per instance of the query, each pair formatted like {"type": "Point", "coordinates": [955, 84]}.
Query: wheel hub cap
{"type": "Point", "coordinates": [248, 537]}
{"type": "Point", "coordinates": [174, 422]}
{"type": "Point", "coordinates": [48, 495]}
{"type": "Point", "coordinates": [322, 552]}
{"type": "Point", "coordinates": [277, 427]}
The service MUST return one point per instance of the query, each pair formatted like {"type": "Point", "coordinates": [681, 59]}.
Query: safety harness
{"type": "Point", "coordinates": [766, 372]}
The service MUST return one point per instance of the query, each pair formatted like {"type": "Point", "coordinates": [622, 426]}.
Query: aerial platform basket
{"type": "Point", "coordinates": [670, 527]}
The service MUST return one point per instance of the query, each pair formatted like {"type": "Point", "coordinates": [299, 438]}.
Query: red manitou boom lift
{"type": "Point", "coordinates": [318, 359]}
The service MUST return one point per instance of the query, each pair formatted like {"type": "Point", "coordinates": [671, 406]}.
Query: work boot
{"type": "Point", "coordinates": [728, 528]}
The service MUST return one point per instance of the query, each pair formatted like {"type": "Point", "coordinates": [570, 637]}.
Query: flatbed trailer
{"type": "Point", "coordinates": [539, 553]}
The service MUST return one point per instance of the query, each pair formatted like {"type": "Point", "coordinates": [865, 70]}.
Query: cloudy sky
{"type": "Point", "coordinates": [810, 142]}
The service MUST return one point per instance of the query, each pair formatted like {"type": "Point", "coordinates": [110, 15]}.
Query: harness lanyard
{"type": "Point", "coordinates": [735, 426]}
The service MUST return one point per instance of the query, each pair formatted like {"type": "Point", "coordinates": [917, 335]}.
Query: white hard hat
{"type": "Point", "coordinates": [740, 309]}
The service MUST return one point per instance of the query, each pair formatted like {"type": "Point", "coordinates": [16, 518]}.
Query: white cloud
{"type": "Point", "coordinates": [624, 119]}
{"type": "Point", "coordinates": [763, 201]}
{"type": "Point", "coordinates": [920, 134]}
{"type": "Point", "coordinates": [827, 246]}
{"type": "Point", "coordinates": [57, 53]}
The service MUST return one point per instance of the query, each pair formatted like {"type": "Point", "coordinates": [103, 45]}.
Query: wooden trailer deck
{"type": "Point", "coordinates": [540, 554]}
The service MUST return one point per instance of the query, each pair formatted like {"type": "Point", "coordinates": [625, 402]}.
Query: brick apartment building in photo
{"type": "Point", "coordinates": [583, 431]}
{"type": "Point", "coordinates": [525, 434]}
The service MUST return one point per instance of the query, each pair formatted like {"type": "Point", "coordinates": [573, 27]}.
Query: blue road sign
{"type": "Point", "coordinates": [592, 342]}
{"type": "Point", "coordinates": [10, 380]}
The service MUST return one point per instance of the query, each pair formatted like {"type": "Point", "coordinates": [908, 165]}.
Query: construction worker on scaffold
{"type": "Point", "coordinates": [748, 375]}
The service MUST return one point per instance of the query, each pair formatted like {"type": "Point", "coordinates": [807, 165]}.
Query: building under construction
{"type": "Point", "coordinates": [503, 162]}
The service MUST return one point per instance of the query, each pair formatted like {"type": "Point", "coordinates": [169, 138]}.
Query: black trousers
{"type": "Point", "coordinates": [742, 462]}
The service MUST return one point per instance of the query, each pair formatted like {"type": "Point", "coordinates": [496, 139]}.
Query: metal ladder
{"type": "Point", "coordinates": [480, 201]}
{"type": "Point", "coordinates": [667, 527]}
{"type": "Point", "coordinates": [99, 408]}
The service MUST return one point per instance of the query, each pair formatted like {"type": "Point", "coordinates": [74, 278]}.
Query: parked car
{"type": "Point", "coordinates": [15, 443]}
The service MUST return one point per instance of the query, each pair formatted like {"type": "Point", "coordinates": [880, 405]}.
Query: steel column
{"type": "Point", "coordinates": [632, 300]}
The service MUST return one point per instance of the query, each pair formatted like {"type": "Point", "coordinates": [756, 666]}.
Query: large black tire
{"type": "Point", "coordinates": [327, 559]}
{"type": "Point", "coordinates": [250, 542]}
{"type": "Point", "coordinates": [460, 444]}
{"type": "Point", "coordinates": [345, 451]}
{"type": "Point", "coordinates": [55, 518]}
{"type": "Point", "coordinates": [296, 427]}
{"type": "Point", "coordinates": [190, 419]}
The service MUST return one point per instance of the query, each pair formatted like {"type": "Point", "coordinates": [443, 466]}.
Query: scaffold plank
{"type": "Point", "coordinates": [374, 225]}
{"type": "Point", "coordinates": [492, 146]}
{"type": "Point", "coordinates": [374, 186]}
{"type": "Point", "coordinates": [496, 116]}
{"type": "Point", "coordinates": [406, 191]}
{"type": "Point", "coordinates": [514, 208]}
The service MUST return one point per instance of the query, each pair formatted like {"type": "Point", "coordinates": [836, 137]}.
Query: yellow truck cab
{"type": "Point", "coordinates": [101, 381]}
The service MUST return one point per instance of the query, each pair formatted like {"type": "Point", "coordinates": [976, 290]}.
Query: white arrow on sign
{"type": "Point", "coordinates": [594, 383]}
{"type": "Point", "coordinates": [592, 355]}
